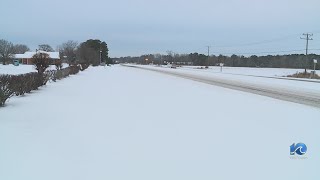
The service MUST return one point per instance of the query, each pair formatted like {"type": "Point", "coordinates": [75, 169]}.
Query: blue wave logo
{"type": "Point", "coordinates": [299, 148]}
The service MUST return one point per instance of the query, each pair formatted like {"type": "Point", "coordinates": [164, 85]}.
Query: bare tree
{"type": "Point", "coordinates": [6, 51]}
{"type": "Point", "coordinates": [158, 58]}
{"type": "Point", "coordinates": [170, 56]}
{"type": "Point", "coordinates": [20, 48]}
{"type": "Point", "coordinates": [68, 51]}
{"type": "Point", "coordinates": [45, 47]}
{"type": "Point", "coordinates": [41, 62]}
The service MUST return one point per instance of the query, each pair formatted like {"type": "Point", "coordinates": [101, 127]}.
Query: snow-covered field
{"type": "Point", "coordinates": [276, 72]}
{"type": "Point", "coordinates": [303, 85]}
{"type": "Point", "coordinates": [21, 69]}
{"type": "Point", "coordinates": [126, 123]}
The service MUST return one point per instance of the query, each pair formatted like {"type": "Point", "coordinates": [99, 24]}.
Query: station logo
{"type": "Point", "coordinates": [298, 151]}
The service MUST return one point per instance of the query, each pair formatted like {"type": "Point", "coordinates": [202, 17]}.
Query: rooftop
{"type": "Point", "coordinates": [28, 55]}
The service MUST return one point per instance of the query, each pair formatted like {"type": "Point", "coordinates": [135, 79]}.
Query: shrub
{"type": "Point", "coordinates": [58, 64]}
{"type": "Point", "coordinates": [41, 62]}
{"type": "Point", "coordinates": [20, 84]}
{"type": "Point", "coordinates": [84, 66]}
{"type": "Point", "coordinates": [16, 85]}
{"type": "Point", "coordinates": [29, 82]}
{"type": "Point", "coordinates": [305, 75]}
{"type": "Point", "coordinates": [50, 75]}
{"type": "Point", "coordinates": [5, 91]}
{"type": "Point", "coordinates": [36, 80]}
{"type": "Point", "coordinates": [74, 69]}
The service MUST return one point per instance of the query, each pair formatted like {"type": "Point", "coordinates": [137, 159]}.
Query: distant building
{"type": "Point", "coordinates": [26, 58]}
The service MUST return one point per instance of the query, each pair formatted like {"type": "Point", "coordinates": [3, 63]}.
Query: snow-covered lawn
{"type": "Point", "coordinates": [21, 69]}
{"type": "Point", "coordinates": [127, 123]}
{"type": "Point", "coordinates": [14, 70]}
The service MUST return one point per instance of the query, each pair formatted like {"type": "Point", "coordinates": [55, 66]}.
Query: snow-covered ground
{"type": "Point", "coordinates": [127, 123]}
{"type": "Point", "coordinates": [301, 85]}
{"type": "Point", "coordinates": [276, 72]}
{"type": "Point", "coordinates": [21, 69]}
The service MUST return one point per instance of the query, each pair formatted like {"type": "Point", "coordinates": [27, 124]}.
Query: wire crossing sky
{"type": "Point", "coordinates": [136, 27]}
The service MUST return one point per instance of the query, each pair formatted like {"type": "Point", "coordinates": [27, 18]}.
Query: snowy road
{"type": "Point", "coordinates": [311, 98]}
{"type": "Point", "coordinates": [126, 123]}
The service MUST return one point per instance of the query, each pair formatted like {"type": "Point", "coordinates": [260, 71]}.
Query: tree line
{"type": "Point", "coordinates": [297, 61]}
{"type": "Point", "coordinates": [92, 52]}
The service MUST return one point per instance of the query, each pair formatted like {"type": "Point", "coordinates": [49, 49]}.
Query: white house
{"type": "Point", "coordinates": [26, 58]}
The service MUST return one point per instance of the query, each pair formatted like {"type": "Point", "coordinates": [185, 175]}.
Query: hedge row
{"type": "Point", "coordinates": [11, 85]}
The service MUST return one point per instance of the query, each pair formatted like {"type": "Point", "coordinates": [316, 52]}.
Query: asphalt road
{"type": "Point", "coordinates": [301, 97]}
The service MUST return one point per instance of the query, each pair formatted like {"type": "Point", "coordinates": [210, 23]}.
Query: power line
{"type": "Point", "coordinates": [266, 41]}
{"type": "Point", "coordinates": [261, 42]}
{"type": "Point", "coordinates": [256, 53]}
{"type": "Point", "coordinates": [265, 52]}
{"type": "Point", "coordinates": [316, 32]}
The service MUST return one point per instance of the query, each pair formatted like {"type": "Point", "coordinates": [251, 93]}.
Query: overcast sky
{"type": "Point", "coordinates": [135, 27]}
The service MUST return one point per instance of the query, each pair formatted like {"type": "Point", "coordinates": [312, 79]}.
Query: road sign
{"type": "Point", "coordinates": [315, 61]}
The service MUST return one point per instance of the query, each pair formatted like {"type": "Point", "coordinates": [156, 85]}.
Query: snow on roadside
{"type": "Point", "coordinates": [127, 123]}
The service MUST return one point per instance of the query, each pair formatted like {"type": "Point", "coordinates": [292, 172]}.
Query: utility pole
{"type": "Point", "coordinates": [208, 55]}
{"type": "Point", "coordinates": [100, 57]}
{"type": "Point", "coordinates": [307, 37]}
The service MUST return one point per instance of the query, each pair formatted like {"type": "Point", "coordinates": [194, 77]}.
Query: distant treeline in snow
{"type": "Point", "coordinates": [297, 61]}
{"type": "Point", "coordinates": [92, 51]}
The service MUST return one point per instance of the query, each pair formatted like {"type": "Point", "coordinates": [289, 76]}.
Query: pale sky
{"type": "Point", "coordinates": [136, 27]}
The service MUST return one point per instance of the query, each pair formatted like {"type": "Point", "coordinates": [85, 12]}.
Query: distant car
{"type": "Point", "coordinates": [173, 66]}
{"type": "Point", "coordinates": [16, 62]}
